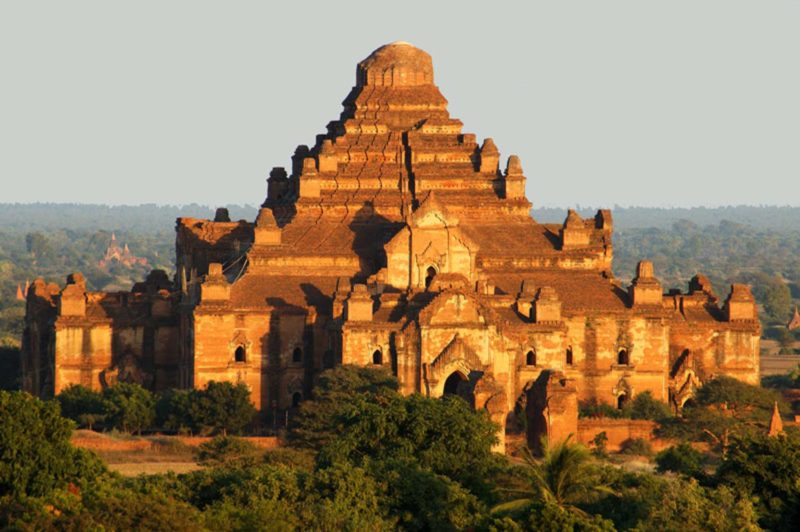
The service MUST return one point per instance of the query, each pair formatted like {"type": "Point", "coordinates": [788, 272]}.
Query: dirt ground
{"type": "Point", "coordinates": [136, 455]}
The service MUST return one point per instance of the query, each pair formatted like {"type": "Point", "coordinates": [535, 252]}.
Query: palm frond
{"type": "Point", "coordinates": [512, 506]}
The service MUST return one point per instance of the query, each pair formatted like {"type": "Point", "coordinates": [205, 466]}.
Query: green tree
{"type": "Point", "coordinates": [768, 468]}
{"type": "Point", "coordinates": [444, 436]}
{"type": "Point", "coordinates": [130, 407]}
{"type": "Point", "coordinates": [683, 459]}
{"type": "Point", "coordinates": [644, 501]}
{"type": "Point", "coordinates": [723, 407]}
{"type": "Point", "coordinates": [174, 410]}
{"type": "Point", "coordinates": [777, 299]}
{"type": "Point", "coordinates": [228, 450]}
{"type": "Point", "coordinates": [564, 479]}
{"type": "Point", "coordinates": [221, 407]}
{"type": "Point", "coordinates": [35, 454]}
{"type": "Point", "coordinates": [343, 497]}
{"type": "Point", "coordinates": [422, 500]}
{"type": "Point", "coordinates": [318, 421]}
{"type": "Point", "coordinates": [644, 406]}
{"type": "Point", "coordinates": [37, 245]}
{"type": "Point", "coordinates": [82, 405]}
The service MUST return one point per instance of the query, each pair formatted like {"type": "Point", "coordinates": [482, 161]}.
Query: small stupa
{"type": "Point", "coordinates": [794, 323]}
{"type": "Point", "coordinates": [775, 423]}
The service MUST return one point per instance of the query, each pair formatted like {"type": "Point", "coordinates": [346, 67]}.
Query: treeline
{"type": "Point", "coordinates": [362, 456]}
{"type": "Point", "coordinates": [726, 253]}
{"type": "Point", "coordinates": [28, 217]}
{"type": "Point", "coordinates": [148, 218]}
{"type": "Point", "coordinates": [775, 218]}
{"type": "Point", "coordinates": [219, 408]}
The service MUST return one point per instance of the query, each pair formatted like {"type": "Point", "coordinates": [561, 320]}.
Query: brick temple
{"type": "Point", "coordinates": [396, 240]}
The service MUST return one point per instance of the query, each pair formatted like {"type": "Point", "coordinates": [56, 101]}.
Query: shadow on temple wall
{"type": "Point", "coordinates": [371, 233]}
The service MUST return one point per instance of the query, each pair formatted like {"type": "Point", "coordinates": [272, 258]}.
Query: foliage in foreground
{"type": "Point", "coordinates": [390, 462]}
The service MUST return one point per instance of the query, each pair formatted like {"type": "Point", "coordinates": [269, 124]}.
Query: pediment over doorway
{"type": "Point", "coordinates": [451, 307]}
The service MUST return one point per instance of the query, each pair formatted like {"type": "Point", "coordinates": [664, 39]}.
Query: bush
{"type": "Point", "coordinates": [681, 458]}
{"type": "Point", "coordinates": [174, 411]}
{"type": "Point", "coordinates": [224, 450]}
{"type": "Point", "coordinates": [82, 405]}
{"type": "Point", "coordinates": [316, 423]}
{"type": "Point", "coordinates": [35, 454]}
{"type": "Point", "coordinates": [644, 406]}
{"type": "Point", "coordinates": [222, 407]}
{"type": "Point", "coordinates": [600, 441]}
{"type": "Point", "coordinates": [219, 408]}
{"type": "Point", "coordinates": [767, 468]}
{"type": "Point", "coordinates": [636, 446]}
{"type": "Point", "coordinates": [131, 408]}
{"type": "Point", "coordinates": [594, 408]}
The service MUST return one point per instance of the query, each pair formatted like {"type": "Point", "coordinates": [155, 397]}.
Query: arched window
{"type": "Point", "coordinates": [530, 358]}
{"type": "Point", "coordinates": [239, 354]}
{"type": "Point", "coordinates": [568, 356]}
{"type": "Point", "coordinates": [622, 400]}
{"type": "Point", "coordinates": [327, 359]}
{"type": "Point", "coordinates": [377, 357]}
{"type": "Point", "coordinates": [430, 273]}
{"type": "Point", "coordinates": [297, 355]}
{"type": "Point", "coordinates": [296, 398]}
{"type": "Point", "coordinates": [622, 357]}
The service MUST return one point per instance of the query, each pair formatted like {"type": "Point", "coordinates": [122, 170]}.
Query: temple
{"type": "Point", "coordinates": [395, 240]}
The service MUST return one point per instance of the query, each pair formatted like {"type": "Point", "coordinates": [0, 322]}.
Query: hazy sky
{"type": "Point", "coordinates": [672, 103]}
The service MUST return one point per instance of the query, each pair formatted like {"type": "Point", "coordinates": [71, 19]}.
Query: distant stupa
{"type": "Point", "coordinates": [775, 423]}
{"type": "Point", "coordinates": [794, 323]}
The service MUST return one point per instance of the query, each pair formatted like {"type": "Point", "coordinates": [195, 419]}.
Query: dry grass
{"type": "Point", "coordinates": [132, 469]}
{"type": "Point", "coordinates": [136, 455]}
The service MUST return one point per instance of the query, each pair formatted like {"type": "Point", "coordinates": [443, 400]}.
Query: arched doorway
{"type": "Point", "coordinates": [530, 358]}
{"type": "Point", "coordinates": [377, 357]}
{"type": "Point", "coordinates": [622, 357]}
{"type": "Point", "coordinates": [430, 273]}
{"type": "Point", "coordinates": [297, 398]}
{"type": "Point", "coordinates": [622, 400]}
{"type": "Point", "coordinates": [239, 354]}
{"type": "Point", "coordinates": [459, 385]}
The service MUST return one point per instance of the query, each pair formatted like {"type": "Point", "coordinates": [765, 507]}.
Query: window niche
{"type": "Point", "coordinates": [240, 354]}
{"type": "Point", "coordinates": [297, 355]}
{"type": "Point", "coordinates": [530, 358]}
{"type": "Point", "coordinates": [377, 357]}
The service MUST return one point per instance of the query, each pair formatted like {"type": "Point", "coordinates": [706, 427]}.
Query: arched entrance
{"type": "Point", "coordinates": [459, 385]}
{"type": "Point", "coordinates": [430, 273]}
{"type": "Point", "coordinates": [622, 401]}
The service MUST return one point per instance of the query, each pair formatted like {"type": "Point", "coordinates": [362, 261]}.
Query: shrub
{"type": "Point", "coordinates": [222, 407]}
{"type": "Point", "coordinates": [636, 446]}
{"type": "Point", "coordinates": [131, 408]}
{"type": "Point", "coordinates": [767, 468]}
{"type": "Point", "coordinates": [644, 406]}
{"type": "Point", "coordinates": [681, 458]}
{"type": "Point", "coordinates": [82, 405]}
{"type": "Point", "coordinates": [224, 450]}
{"type": "Point", "coordinates": [35, 454]}
{"type": "Point", "coordinates": [600, 441]}
{"type": "Point", "coordinates": [219, 408]}
{"type": "Point", "coordinates": [174, 411]}
{"type": "Point", "coordinates": [594, 408]}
